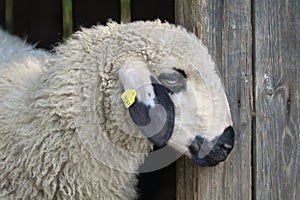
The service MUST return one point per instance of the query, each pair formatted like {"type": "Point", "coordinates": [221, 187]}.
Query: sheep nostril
{"type": "Point", "coordinates": [210, 153]}
{"type": "Point", "coordinates": [226, 146]}
{"type": "Point", "coordinates": [194, 148]}
{"type": "Point", "coordinates": [196, 144]}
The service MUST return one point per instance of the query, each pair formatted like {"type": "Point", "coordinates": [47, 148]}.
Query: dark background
{"type": "Point", "coordinates": [40, 21]}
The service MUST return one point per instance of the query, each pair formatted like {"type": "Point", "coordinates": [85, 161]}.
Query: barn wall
{"type": "Point", "coordinates": [225, 28]}
{"type": "Point", "coordinates": [255, 45]}
{"type": "Point", "coordinates": [277, 93]}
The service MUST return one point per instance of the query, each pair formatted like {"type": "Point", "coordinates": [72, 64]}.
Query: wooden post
{"type": "Point", "coordinates": [9, 15]}
{"type": "Point", "coordinates": [277, 93]}
{"type": "Point", "coordinates": [125, 11]}
{"type": "Point", "coordinates": [272, 67]}
{"type": "Point", "coordinates": [67, 13]}
{"type": "Point", "coordinates": [225, 28]}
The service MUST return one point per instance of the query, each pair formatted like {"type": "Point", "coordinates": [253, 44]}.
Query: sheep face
{"type": "Point", "coordinates": [175, 105]}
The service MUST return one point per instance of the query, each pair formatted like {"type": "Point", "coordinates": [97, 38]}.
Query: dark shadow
{"type": "Point", "coordinates": [39, 21]}
{"type": "Point", "coordinates": [153, 9]}
{"type": "Point", "coordinates": [159, 184]}
{"type": "Point", "coordinates": [2, 13]}
{"type": "Point", "coordinates": [91, 12]}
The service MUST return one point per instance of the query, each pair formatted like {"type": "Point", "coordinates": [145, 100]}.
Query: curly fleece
{"type": "Point", "coordinates": [64, 132]}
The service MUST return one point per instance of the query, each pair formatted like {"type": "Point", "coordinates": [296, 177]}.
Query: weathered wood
{"type": "Point", "coordinates": [125, 11]}
{"type": "Point", "coordinates": [67, 18]}
{"type": "Point", "coordinates": [277, 66]}
{"type": "Point", "coordinates": [9, 15]}
{"type": "Point", "coordinates": [225, 28]}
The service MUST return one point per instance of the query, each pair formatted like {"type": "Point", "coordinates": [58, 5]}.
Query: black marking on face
{"type": "Point", "coordinates": [210, 153]}
{"type": "Point", "coordinates": [140, 114]}
{"type": "Point", "coordinates": [182, 72]}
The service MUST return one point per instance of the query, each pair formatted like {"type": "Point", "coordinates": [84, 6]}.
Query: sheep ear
{"type": "Point", "coordinates": [157, 121]}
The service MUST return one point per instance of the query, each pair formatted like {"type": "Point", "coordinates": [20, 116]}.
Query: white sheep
{"type": "Point", "coordinates": [64, 130]}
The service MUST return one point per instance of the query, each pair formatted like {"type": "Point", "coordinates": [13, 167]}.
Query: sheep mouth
{"type": "Point", "coordinates": [209, 153]}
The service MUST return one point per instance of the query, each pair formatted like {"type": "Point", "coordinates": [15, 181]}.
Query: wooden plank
{"type": "Point", "coordinates": [67, 18]}
{"type": "Point", "coordinates": [9, 15]}
{"type": "Point", "coordinates": [277, 65]}
{"type": "Point", "coordinates": [225, 27]}
{"type": "Point", "coordinates": [125, 11]}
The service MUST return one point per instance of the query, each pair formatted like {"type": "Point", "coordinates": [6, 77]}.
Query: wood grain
{"type": "Point", "coordinates": [225, 28]}
{"type": "Point", "coordinates": [67, 18]}
{"type": "Point", "coordinates": [9, 15]}
{"type": "Point", "coordinates": [277, 93]}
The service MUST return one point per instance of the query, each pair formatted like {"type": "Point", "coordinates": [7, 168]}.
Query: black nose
{"type": "Point", "coordinates": [210, 153]}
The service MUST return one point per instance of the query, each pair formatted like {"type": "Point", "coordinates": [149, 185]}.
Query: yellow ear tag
{"type": "Point", "coordinates": [128, 97]}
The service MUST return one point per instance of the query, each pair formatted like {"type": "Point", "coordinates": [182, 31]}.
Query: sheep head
{"type": "Point", "coordinates": [180, 100]}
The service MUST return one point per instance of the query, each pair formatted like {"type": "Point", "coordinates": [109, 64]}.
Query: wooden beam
{"type": "Point", "coordinates": [67, 9]}
{"type": "Point", "coordinates": [277, 78]}
{"type": "Point", "coordinates": [225, 28]}
{"type": "Point", "coordinates": [125, 11]}
{"type": "Point", "coordinates": [9, 15]}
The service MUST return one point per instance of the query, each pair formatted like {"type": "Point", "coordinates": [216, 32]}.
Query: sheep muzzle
{"type": "Point", "coordinates": [209, 153]}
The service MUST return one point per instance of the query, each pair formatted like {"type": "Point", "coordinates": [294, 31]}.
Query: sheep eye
{"type": "Point", "coordinates": [173, 80]}
{"type": "Point", "coordinates": [170, 80]}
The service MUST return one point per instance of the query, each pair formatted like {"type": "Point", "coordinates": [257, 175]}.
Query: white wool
{"type": "Point", "coordinates": [64, 132]}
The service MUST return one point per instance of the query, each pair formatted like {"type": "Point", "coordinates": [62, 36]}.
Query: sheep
{"type": "Point", "coordinates": [65, 132]}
